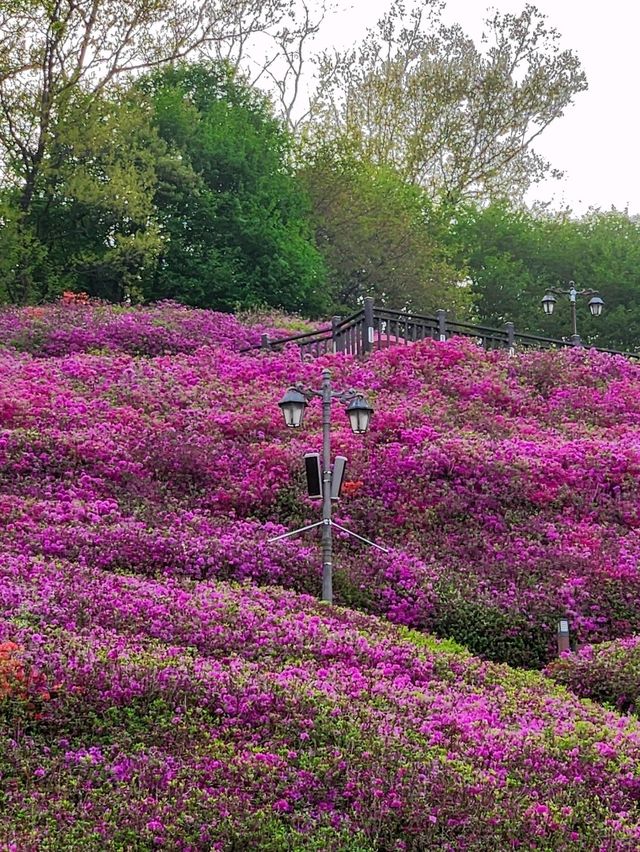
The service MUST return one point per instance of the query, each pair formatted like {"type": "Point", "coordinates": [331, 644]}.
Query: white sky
{"type": "Point", "coordinates": [597, 142]}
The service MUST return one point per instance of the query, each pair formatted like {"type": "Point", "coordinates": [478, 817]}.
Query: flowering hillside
{"type": "Point", "coordinates": [506, 488]}
{"type": "Point", "coordinates": [153, 714]}
{"type": "Point", "coordinates": [146, 702]}
{"type": "Point", "coordinates": [76, 325]}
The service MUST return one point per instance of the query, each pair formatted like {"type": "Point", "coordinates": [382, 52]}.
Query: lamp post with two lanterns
{"type": "Point", "coordinates": [359, 412]}
{"type": "Point", "coordinates": [595, 305]}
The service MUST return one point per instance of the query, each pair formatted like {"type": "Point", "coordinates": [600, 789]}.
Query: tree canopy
{"type": "Point", "coordinates": [140, 159]}
{"type": "Point", "coordinates": [448, 114]}
{"type": "Point", "coordinates": [380, 236]}
{"type": "Point", "coordinates": [180, 186]}
{"type": "Point", "coordinates": [513, 256]}
{"type": "Point", "coordinates": [54, 53]}
{"type": "Point", "coordinates": [234, 218]}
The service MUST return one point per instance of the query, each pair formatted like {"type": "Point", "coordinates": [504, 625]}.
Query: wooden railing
{"type": "Point", "coordinates": [373, 328]}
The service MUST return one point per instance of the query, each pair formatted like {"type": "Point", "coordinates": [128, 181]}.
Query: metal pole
{"type": "Point", "coordinates": [367, 328]}
{"type": "Point", "coordinates": [575, 339]}
{"type": "Point", "coordinates": [511, 337]}
{"type": "Point", "coordinates": [336, 337]}
{"type": "Point", "coordinates": [327, 567]}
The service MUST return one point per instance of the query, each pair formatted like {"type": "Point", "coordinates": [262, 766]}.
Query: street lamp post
{"type": "Point", "coordinates": [359, 412]}
{"type": "Point", "coordinates": [595, 305]}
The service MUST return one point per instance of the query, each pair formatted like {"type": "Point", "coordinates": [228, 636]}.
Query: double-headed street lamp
{"type": "Point", "coordinates": [595, 305]}
{"type": "Point", "coordinates": [359, 412]}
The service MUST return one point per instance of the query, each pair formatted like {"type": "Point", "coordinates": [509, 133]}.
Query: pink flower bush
{"type": "Point", "coordinates": [608, 672]}
{"type": "Point", "coordinates": [77, 325]}
{"type": "Point", "coordinates": [197, 716]}
{"type": "Point", "coordinates": [186, 690]}
{"type": "Point", "coordinates": [506, 488]}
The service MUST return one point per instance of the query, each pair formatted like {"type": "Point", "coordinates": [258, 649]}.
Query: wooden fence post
{"type": "Point", "coordinates": [264, 342]}
{"type": "Point", "coordinates": [442, 324]}
{"type": "Point", "coordinates": [367, 327]}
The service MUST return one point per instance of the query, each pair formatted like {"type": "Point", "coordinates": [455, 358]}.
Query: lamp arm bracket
{"type": "Point", "coordinates": [342, 396]}
{"type": "Point", "coordinates": [347, 395]}
{"type": "Point", "coordinates": [308, 393]}
{"type": "Point", "coordinates": [557, 291]}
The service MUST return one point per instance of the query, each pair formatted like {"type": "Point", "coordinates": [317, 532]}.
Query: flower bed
{"type": "Point", "coordinates": [214, 716]}
{"type": "Point", "coordinates": [77, 325]}
{"type": "Point", "coordinates": [147, 702]}
{"type": "Point", "coordinates": [506, 488]}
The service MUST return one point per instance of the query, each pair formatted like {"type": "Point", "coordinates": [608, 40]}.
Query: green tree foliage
{"type": "Point", "coordinates": [380, 237]}
{"type": "Point", "coordinates": [180, 187]}
{"type": "Point", "coordinates": [449, 115]}
{"type": "Point", "coordinates": [90, 225]}
{"type": "Point", "coordinates": [94, 218]}
{"type": "Point", "coordinates": [56, 53]}
{"type": "Point", "coordinates": [513, 256]}
{"type": "Point", "coordinates": [233, 218]}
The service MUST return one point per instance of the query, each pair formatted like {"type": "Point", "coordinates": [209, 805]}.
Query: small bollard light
{"type": "Point", "coordinates": [563, 636]}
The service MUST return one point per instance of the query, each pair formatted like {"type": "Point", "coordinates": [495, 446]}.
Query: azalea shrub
{"type": "Point", "coordinates": [505, 489]}
{"type": "Point", "coordinates": [203, 715]}
{"type": "Point", "coordinates": [13, 679]}
{"type": "Point", "coordinates": [608, 672]}
{"type": "Point", "coordinates": [79, 324]}
{"type": "Point", "coordinates": [23, 688]}
{"type": "Point", "coordinates": [168, 678]}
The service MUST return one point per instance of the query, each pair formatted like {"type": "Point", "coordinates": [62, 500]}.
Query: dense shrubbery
{"type": "Point", "coordinates": [208, 716]}
{"type": "Point", "coordinates": [608, 672]}
{"type": "Point", "coordinates": [506, 488]}
{"type": "Point", "coordinates": [75, 325]}
{"type": "Point", "coordinates": [145, 703]}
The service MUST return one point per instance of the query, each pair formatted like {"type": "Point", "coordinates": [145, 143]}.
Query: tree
{"type": "Point", "coordinates": [97, 215]}
{"type": "Point", "coordinates": [513, 256]}
{"type": "Point", "coordinates": [380, 237]}
{"type": "Point", "coordinates": [91, 224]}
{"type": "Point", "coordinates": [449, 116]}
{"type": "Point", "coordinates": [53, 50]}
{"type": "Point", "coordinates": [234, 219]}
{"type": "Point", "coordinates": [609, 260]}
{"type": "Point", "coordinates": [279, 59]}
{"type": "Point", "coordinates": [498, 245]}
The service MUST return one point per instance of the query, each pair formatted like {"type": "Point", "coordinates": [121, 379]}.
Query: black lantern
{"type": "Point", "coordinates": [595, 306]}
{"type": "Point", "coordinates": [359, 412]}
{"type": "Point", "coordinates": [293, 404]}
{"type": "Point", "coordinates": [548, 303]}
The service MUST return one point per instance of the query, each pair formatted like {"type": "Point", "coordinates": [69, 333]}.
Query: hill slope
{"type": "Point", "coordinates": [507, 489]}
{"type": "Point", "coordinates": [140, 714]}
{"type": "Point", "coordinates": [147, 703]}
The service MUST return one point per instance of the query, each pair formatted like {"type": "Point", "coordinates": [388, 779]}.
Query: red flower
{"type": "Point", "coordinates": [71, 298]}
{"type": "Point", "coordinates": [17, 680]}
{"type": "Point", "coordinates": [350, 488]}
